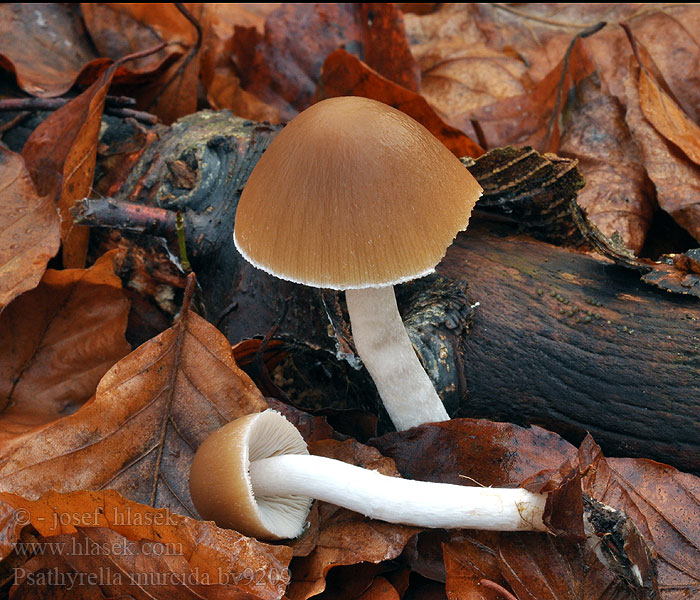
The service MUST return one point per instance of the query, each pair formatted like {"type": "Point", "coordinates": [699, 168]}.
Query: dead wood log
{"type": "Point", "coordinates": [562, 339]}
{"type": "Point", "coordinates": [577, 344]}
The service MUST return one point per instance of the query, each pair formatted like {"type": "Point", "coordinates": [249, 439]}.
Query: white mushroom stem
{"type": "Point", "coordinates": [420, 503]}
{"type": "Point", "coordinates": [383, 345]}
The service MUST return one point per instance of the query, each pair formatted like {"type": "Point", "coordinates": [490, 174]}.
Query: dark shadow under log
{"type": "Point", "coordinates": [575, 344]}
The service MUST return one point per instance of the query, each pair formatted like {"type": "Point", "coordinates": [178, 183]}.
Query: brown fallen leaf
{"type": "Point", "coordinates": [540, 567]}
{"type": "Point", "coordinates": [617, 196]}
{"type": "Point", "coordinates": [282, 67]}
{"type": "Point", "coordinates": [532, 118]}
{"type": "Point", "coordinates": [346, 537]}
{"type": "Point", "coordinates": [462, 68]}
{"type": "Point", "coordinates": [80, 524]}
{"type": "Point", "coordinates": [76, 563]}
{"type": "Point", "coordinates": [670, 33]}
{"type": "Point", "coordinates": [665, 505]}
{"type": "Point", "coordinates": [497, 454]}
{"type": "Point", "coordinates": [416, 453]}
{"type": "Point", "coordinates": [30, 230]}
{"type": "Point", "coordinates": [470, 558]}
{"type": "Point", "coordinates": [60, 155]}
{"type": "Point", "coordinates": [660, 108]}
{"type": "Point", "coordinates": [380, 589]}
{"type": "Point", "coordinates": [46, 46]}
{"type": "Point", "coordinates": [461, 79]}
{"type": "Point", "coordinates": [120, 29]}
{"type": "Point", "coordinates": [677, 180]}
{"type": "Point", "coordinates": [56, 343]}
{"type": "Point", "coordinates": [343, 74]}
{"type": "Point", "coordinates": [218, 73]}
{"type": "Point", "coordinates": [150, 413]}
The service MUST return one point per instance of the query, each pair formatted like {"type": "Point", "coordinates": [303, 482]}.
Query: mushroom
{"type": "Point", "coordinates": [355, 195]}
{"type": "Point", "coordinates": [255, 475]}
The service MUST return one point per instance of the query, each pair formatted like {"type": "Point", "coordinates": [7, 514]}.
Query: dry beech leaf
{"type": "Point", "coordinates": [45, 45]}
{"type": "Point", "coordinates": [529, 451]}
{"type": "Point", "coordinates": [464, 79]}
{"type": "Point", "coordinates": [665, 505]}
{"type": "Point", "coordinates": [542, 567]}
{"type": "Point", "coordinates": [120, 29]}
{"type": "Point", "coordinates": [218, 73]}
{"type": "Point", "coordinates": [462, 67]}
{"type": "Point", "coordinates": [671, 35]}
{"type": "Point", "coordinates": [343, 74]}
{"type": "Point", "coordinates": [29, 229]}
{"type": "Point", "coordinates": [198, 551]}
{"type": "Point", "coordinates": [56, 342]}
{"type": "Point", "coordinates": [139, 434]}
{"type": "Point", "coordinates": [661, 109]}
{"type": "Point", "coordinates": [346, 537]}
{"type": "Point", "coordinates": [617, 196]}
{"type": "Point", "coordinates": [282, 67]}
{"type": "Point", "coordinates": [677, 180]}
{"type": "Point", "coordinates": [60, 155]}
{"type": "Point", "coordinates": [132, 570]}
{"type": "Point", "coordinates": [469, 559]}
{"type": "Point", "coordinates": [532, 118]}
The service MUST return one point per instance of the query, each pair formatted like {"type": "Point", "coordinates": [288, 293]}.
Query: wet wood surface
{"type": "Point", "coordinates": [576, 344]}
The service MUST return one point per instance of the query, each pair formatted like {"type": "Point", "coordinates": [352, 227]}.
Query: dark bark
{"type": "Point", "coordinates": [575, 344]}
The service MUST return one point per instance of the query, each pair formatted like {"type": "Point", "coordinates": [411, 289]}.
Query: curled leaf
{"type": "Point", "coordinates": [30, 229]}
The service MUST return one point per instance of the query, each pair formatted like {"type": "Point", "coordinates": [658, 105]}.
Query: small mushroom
{"type": "Point", "coordinates": [255, 475]}
{"type": "Point", "coordinates": [355, 195]}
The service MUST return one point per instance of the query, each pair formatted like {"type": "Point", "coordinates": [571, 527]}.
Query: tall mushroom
{"type": "Point", "coordinates": [255, 475]}
{"type": "Point", "coordinates": [355, 195]}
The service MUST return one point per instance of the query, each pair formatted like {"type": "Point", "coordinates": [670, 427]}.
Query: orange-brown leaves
{"type": "Point", "coordinates": [532, 118]}
{"type": "Point", "coordinates": [343, 74]}
{"type": "Point", "coordinates": [618, 196]}
{"type": "Point", "coordinates": [29, 227]}
{"type": "Point", "coordinates": [282, 67]}
{"type": "Point", "coordinates": [56, 342]}
{"type": "Point", "coordinates": [61, 154]}
{"type": "Point", "coordinates": [120, 29]}
{"type": "Point", "coordinates": [138, 548]}
{"type": "Point", "coordinates": [151, 411]}
{"type": "Point", "coordinates": [45, 45]}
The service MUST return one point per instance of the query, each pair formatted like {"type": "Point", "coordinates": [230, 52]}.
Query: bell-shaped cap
{"type": "Point", "coordinates": [220, 477]}
{"type": "Point", "coordinates": [353, 193]}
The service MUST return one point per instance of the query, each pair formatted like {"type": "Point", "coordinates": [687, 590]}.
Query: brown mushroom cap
{"type": "Point", "coordinates": [220, 477]}
{"type": "Point", "coordinates": [353, 193]}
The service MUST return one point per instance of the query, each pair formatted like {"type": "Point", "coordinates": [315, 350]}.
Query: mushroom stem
{"type": "Point", "coordinates": [420, 503]}
{"type": "Point", "coordinates": [383, 345]}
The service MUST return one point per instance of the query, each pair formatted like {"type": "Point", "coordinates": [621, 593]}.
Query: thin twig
{"type": "Point", "coordinates": [180, 227]}
{"type": "Point", "coordinates": [115, 108]}
{"type": "Point", "coordinates": [480, 137]}
{"type": "Point", "coordinates": [14, 121]}
{"type": "Point", "coordinates": [130, 113]}
{"type": "Point", "coordinates": [32, 104]}
{"type": "Point", "coordinates": [120, 101]}
{"type": "Point", "coordinates": [108, 212]}
{"type": "Point", "coordinates": [525, 15]}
